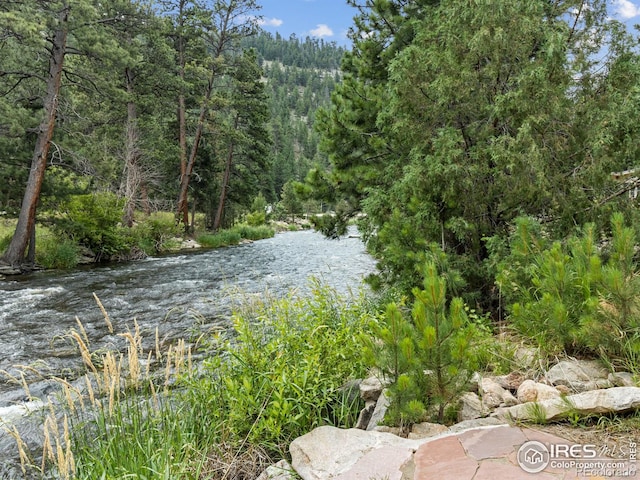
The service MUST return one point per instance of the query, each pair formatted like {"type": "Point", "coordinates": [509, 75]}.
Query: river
{"type": "Point", "coordinates": [179, 294]}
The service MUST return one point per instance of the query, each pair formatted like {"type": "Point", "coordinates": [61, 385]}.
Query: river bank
{"type": "Point", "coordinates": [178, 295]}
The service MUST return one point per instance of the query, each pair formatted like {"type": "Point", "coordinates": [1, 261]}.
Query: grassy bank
{"type": "Point", "coordinates": [157, 415]}
{"type": "Point", "coordinates": [65, 246]}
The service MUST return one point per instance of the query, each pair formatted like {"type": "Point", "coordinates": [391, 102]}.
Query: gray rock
{"type": "Point", "coordinates": [380, 411]}
{"type": "Point", "coordinates": [370, 388]}
{"type": "Point", "coordinates": [427, 429]}
{"type": "Point", "coordinates": [365, 415]}
{"type": "Point", "coordinates": [525, 357]}
{"type": "Point", "coordinates": [508, 400]}
{"type": "Point", "coordinates": [610, 400]}
{"type": "Point", "coordinates": [622, 379]}
{"type": "Point", "coordinates": [386, 429]}
{"type": "Point", "coordinates": [530, 391]}
{"type": "Point", "coordinates": [279, 471]}
{"type": "Point", "coordinates": [327, 452]}
{"type": "Point", "coordinates": [478, 422]}
{"type": "Point", "coordinates": [579, 375]}
{"type": "Point", "coordinates": [491, 392]}
{"type": "Point", "coordinates": [511, 381]}
{"type": "Point", "coordinates": [471, 407]}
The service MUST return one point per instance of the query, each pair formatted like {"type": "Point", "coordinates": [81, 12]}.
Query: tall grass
{"type": "Point", "coordinates": [235, 235]}
{"type": "Point", "coordinates": [156, 415]}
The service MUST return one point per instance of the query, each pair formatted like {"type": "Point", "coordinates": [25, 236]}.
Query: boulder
{"type": "Point", "coordinates": [525, 357]}
{"type": "Point", "coordinates": [371, 388]}
{"type": "Point", "coordinates": [579, 375]}
{"type": "Point", "coordinates": [471, 407]}
{"type": "Point", "coordinates": [380, 410]}
{"type": "Point", "coordinates": [530, 391]}
{"type": "Point", "coordinates": [327, 452]}
{"type": "Point", "coordinates": [426, 430]}
{"type": "Point", "coordinates": [605, 401]}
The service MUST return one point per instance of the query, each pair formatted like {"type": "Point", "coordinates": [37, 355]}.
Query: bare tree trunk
{"type": "Point", "coordinates": [225, 182]}
{"type": "Point", "coordinates": [26, 221]}
{"type": "Point", "coordinates": [132, 172]}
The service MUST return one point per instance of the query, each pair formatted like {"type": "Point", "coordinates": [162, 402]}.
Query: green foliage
{"type": "Point", "coordinates": [224, 238]}
{"type": "Point", "coordinates": [428, 355]}
{"type": "Point", "coordinates": [578, 296]}
{"type": "Point", "coordinates": [255, 218]}
{"type": "Point", "coordinates": [452, 121]}
{"type": "Point", "coordinates": [234, 235]}
{"type": "Point", "coordinates": [53, 252]}
{"type": "Point", "coordinates": [282, 374]}
{"type": "Point", "coordinates": [157, 233]}
{"type": "Point", "coordinates": [92, 221]}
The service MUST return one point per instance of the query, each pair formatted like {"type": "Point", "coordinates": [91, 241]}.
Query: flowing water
{"type": "Point", "coordinates": [177, 294]}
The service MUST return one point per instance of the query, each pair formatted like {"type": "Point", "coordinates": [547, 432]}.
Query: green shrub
{"type": "Point", "coordinates": [92, 221]}
{"type": "Point", "coordinates": [281, 376]}
{"type": "Point", "coordinates": [577, 296]}
{"type": "Point", "coordinates": [52, 252]}
{"type": "Point", "coordinates": [223, 238]}
{"type": "Point", "coordinates": [255, 219]}
{"type": "Point", "coordinates": [250, 232]}
{"type": "Point", "coordinates": [234, 235]}
{"type": "Point", "coordinates": [157, 233]}
{"type": "Point", "coordinates": [428, 355]}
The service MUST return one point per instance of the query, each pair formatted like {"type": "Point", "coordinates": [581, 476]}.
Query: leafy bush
{"type": "Point", "coordinates": [580, 296]}
{"type": "Point", "coordinates": [53, 252]}
{"type": "Point", "coordinates": [250, 232]}
{"type": "Point", "coordinates": [234, 235]}
{"type": "Point", "coordinates": [282, 374]}
{"type": "Point", "coordinates": [255, 219]}
{"type": "Point", "coordinates": [157, 232]}
{"type": "Point", "coordinates": [92, 221]}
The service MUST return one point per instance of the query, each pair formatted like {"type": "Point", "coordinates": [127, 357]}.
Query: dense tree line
{"type": "Point", "coordinates": [453, 121]}
{"type": "Point", "coordinates": [162, 103]}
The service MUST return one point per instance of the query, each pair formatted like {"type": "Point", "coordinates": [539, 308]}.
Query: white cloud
{"type": "Point", "coordinates": [322, 30]}
{"type": "Point", "coordinates": [626, 9]}
{"type": "Point", "coordinates": [270, 22]}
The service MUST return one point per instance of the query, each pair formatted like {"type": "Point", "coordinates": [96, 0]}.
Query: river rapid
{"type": "Point", "coordinates": [181, 295]}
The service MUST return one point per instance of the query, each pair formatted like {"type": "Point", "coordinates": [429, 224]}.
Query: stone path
{"type": "Point", "coordinates": [492, 454]}
{"type": "Point", "coordinates": [484, 454]}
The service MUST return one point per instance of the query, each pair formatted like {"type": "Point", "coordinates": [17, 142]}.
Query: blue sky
{"type": "Point", "coordinates": [326, 19]}
{"type": "Point", "coordinates": [330, 19]}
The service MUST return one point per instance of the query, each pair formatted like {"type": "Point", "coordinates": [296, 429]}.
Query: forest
{"type": "Point", "coordinates": [117, 115]}
{"type": "Point", "coordinates": [487, 151]}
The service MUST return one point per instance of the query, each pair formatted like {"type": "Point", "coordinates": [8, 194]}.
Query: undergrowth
{"type": "Point", "coordinates": [157, 415]}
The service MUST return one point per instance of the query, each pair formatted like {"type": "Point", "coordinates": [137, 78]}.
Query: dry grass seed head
{"type": "Point", "coordinates": [107, 320]}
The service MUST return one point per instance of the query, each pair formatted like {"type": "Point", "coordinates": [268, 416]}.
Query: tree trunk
{"type": "Point", "coordinates": [182, 118]}
{"type": "Point", "coordinates": [26, 221]}
{"type": "Point", "coordinates": [223, 39]}
{"type": "Point", "coordinates": [225, 183]}
{"type": "Point", "coordinates": [132, 173]}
